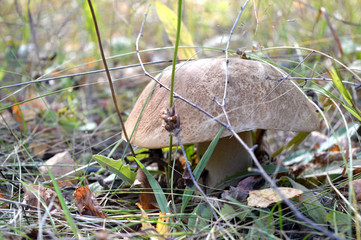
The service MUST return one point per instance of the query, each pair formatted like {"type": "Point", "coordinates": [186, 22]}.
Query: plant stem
{"type": "Point", "coordinates": [175, 56]}
{"type": "Point", "coordinates": [108, 76]}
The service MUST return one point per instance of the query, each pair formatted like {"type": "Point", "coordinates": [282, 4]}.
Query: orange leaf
{"type": "Point", "coordinates": [86, 202]}
{"type": "Point", "coordinates": [162, 226]}
{"type": "Point", "coordinates": [147, 198]}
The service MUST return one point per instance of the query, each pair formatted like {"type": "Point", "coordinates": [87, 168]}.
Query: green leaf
{"type": "Point", "coordinates": [339, 85]}
{"type": "Point", "coordinates": [158, 192]}
{"type": "Point", "coordinates": [169, 21]}
{"type": "Point", "coordinates": [69, 218]}
{"type": "Point", "coordinates": [355, 113]}
{"type": "Point", "coordinates": [199, 169]}
{"type": "Point", "coordinates": [200, 218]}
{"type": "Point", "coordinates": [297, 140]}
{"type": "Point", "coordinates": [345, 93]}
{"type": "Point", "coordinates": [309, 200]}
{"type": "Point", "coordinates": [338, 220]}
{"type": "Point", "coordinates": [117, 167]}
{"type": "Point", "coordinates": [89, 22]}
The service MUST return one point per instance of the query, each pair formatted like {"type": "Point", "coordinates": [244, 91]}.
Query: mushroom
{"type": "Point", "coordinates": [255, 99]}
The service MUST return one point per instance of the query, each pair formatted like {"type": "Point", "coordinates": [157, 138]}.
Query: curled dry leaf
{"type": "Point", "coordinates": [48, 195]}
{"type": "Point", "coordinates": [86, 202]}
{"type": "Point", "coordinates": [265, 197]}
{"type": "Point", "coordinates": [61, 164]}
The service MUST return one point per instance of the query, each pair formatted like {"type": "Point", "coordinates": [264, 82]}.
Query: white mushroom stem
{"type": "Point", "coordinates": [229, 157]}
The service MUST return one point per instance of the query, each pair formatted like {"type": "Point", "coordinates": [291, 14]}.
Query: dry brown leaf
{"type": "Point", "coordinates": [5, 205]}
{"type": "Point", "coordinates": [357, 188]}
{"type": "Point", "coordinates": [147, 198]}
{"type": "Point", "coordinates": [86, 202]}
{"type": "Point", "coordinates": [323, 158]}
{"type": "Point", "coordinates": [61, 164]}
{"type": "Point", "coordinates": [30, 109]}
{"type": "Point", "coordinates": [46, 194]}
{"type": "Point", "coordinates": [240, 192]}
{"type": "Point", "coordinates": [39, 148]}
{"type": "Point", "coordinates": [265, 197]}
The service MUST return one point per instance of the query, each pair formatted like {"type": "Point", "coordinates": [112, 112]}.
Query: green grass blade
{"type": "Point", "coordinates": [199, 169]}
{"type": "Point", "coordinates": [68, 216]}
{"type": "Point", "coordinates": [297, 140]}
{"type": "Point", "coordinates": [158, 192]}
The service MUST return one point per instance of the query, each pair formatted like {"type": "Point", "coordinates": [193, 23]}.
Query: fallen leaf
{"type": "Point", "coordinates": [102, 235]}
{"type": "Point", "coordinates": [357, 188]}
{"type": "Point", "coordinates": [147, 198]}
{"type": "Point", "coordinates": [30, 109]}
{"type": "Point", "coordinates": [334, 148]}
{"type": "Point", "coordinates": [265, 197]}
{"type": "Point", "coordinates": [145, 224]}
{"type": "Point", "coordinates": [61, 164]}
{"type": "Point", "coordinates": [4, 205]}
{"type": "Point", "coordinates": [33, 192]}
{"type": "Point", "coordinates": [240, 192]}
{"type": "Point", "coordinates": [162, 226]}
{"type": "Point", "coordinates": [86, 202]}
{"type": "Point", "coordinates": [323, 158]}
{"type": "Point", "coordinates": [39, 148]}
{"type": "Point", "coordinates": [149, 228]}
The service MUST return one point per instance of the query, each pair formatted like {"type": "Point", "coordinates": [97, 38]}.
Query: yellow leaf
{"type": "Point", "coordinates": [169, 21]}
{"type": "Point", "coordinates": [145, 219]}
{"type": "Point", "coordinates": [162, 226]}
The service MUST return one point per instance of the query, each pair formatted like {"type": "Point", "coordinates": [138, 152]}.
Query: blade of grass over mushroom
{"type": "Point", "coordinates": [68, 216]}
{"type": "Point", "coordinates": [116, 167]}
{"type": "Point", "coordinates": [345, 93]}
{"type": "Point", "coordinates": [199, 169]}
{"type": "Point", "coordinates": [141, 112]}
{"type": "Point", "coordinates": [157, 189]}
{"type": "Point", "coordinates": [170, 22]}
{"type": "Point", "coordinates": [175, 57]}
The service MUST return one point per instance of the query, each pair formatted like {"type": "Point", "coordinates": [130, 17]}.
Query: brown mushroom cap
{"type": "Point", "coordinates": [255, 99]}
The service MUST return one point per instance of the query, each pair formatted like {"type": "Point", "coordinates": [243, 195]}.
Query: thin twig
{"type": "Point", "coordinates": [108, 75]}
{"type": "Point", "coordinates": [85, 73]}
{"type": "Point", "coordinates": [188, 166]}
{"type": "Point", "coordinates": [227, 63]}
